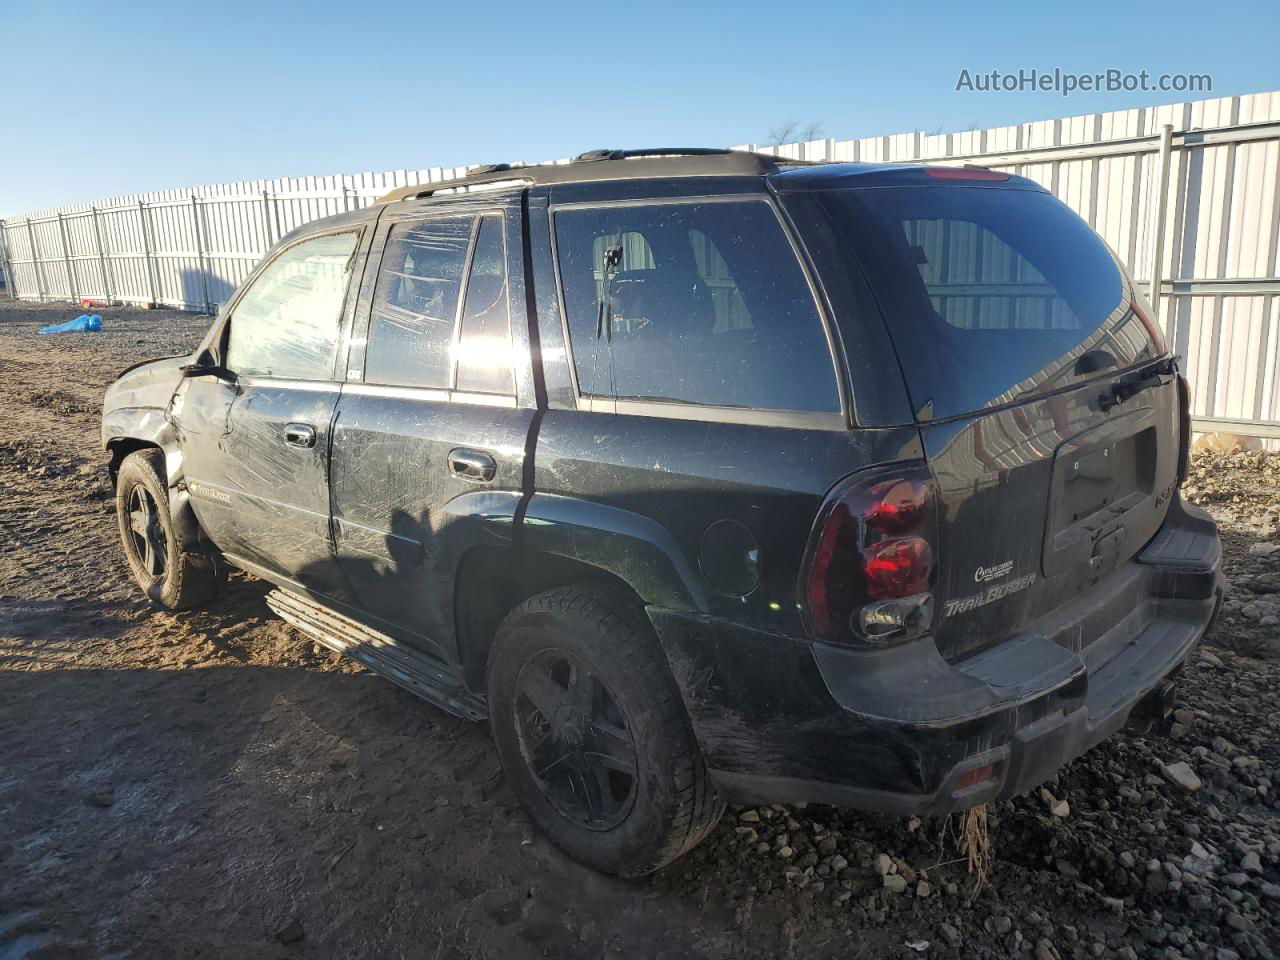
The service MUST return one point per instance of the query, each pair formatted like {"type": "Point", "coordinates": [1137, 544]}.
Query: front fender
{"type": "Point", "coordinates": [634, 548]}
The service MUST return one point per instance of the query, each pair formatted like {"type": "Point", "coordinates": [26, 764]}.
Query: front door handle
{"type": "Point", "coordinates": [300, 435]}
{"type": "Point", "coordinates": [472, 465]}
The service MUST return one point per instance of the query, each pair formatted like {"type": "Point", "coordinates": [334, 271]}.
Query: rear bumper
{"type": "Point", "coordinates": [903, 731]}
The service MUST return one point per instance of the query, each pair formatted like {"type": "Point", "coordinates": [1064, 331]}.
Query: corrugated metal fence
{"type": "Point", "coordinates": [1187, 194]}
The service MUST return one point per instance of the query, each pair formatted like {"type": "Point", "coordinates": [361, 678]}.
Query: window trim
{"type": "Point", "coordinates": [449, 392]}
{"type": "Point", "coordinates": [759, 416]}
{"type": "Point", "coordinates": [223, 341]}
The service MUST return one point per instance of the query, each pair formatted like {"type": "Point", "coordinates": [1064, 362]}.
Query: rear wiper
{"type": "Point", "coordinates": [1128, 387]}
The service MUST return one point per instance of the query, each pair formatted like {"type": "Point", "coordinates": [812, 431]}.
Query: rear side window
{"type": "Point", "coordinates": [286, 323]}
{"type": "Point", "coordinates": [415, 303]}
{"type": "Point", "coordinates": [484, 341]}
{"type": "Point", "coordinates": [991, 294]}
{"type": "Point", "coordinates": [699, 303]}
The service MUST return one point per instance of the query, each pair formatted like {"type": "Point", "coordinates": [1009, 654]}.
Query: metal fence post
{"type": "Point", "coordinates": [6, 262]}
{"type": "Point", "coordinates": [204, 264]}
{"type": "Point", "coordinates": [102, 256]}
{"type": "Point", "coordinates": [66, 257]}
{"type": "Point", "coordinates": [1160, 203]}
{"type": "Point", "coordinates": [35, 259]}
{"type": "Point", "coordinates": [148, 260]}
{"type": "Point", "coordinates": [266, 221]}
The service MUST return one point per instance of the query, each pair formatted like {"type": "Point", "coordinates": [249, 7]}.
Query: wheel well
{"type": "Point", "coordinates": [121, 448]}
{"type": "Point", "coordinates": [493, 581]}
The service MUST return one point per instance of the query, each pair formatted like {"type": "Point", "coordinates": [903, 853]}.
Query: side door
{"type": "Point", "coordinates": [430, 437]}
{"type": "Point", "coordinates": [255, 441]}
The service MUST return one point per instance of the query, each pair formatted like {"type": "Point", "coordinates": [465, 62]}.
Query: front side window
{"type": "Point", "coordinates": [286, 324]}
{"type": "Point", "coordinates": [415, 303]}
{"type": "Point", "coordinates": [698, 303]}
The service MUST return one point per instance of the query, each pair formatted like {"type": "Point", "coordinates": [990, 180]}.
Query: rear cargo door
{"type": "Point", "coordinates": [1046, 399]}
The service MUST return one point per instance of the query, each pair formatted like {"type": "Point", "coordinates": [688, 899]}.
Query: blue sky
{"type": "Point", "coordinates": [101, 98]}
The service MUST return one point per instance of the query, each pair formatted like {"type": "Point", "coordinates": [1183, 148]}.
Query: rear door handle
{"type": "Point", "coordinates": [472, 465]}
{"type": "Point", "coordinates": [300, 434]}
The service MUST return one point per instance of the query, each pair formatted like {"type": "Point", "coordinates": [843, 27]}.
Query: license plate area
{"type": "Point", "coordinates": [1098, 479]}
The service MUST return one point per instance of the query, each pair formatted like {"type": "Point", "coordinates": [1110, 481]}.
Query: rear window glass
{"type": "Point", "coordinates": [990, 294]}
{"type": "Point", "coordinates": [699, 303]}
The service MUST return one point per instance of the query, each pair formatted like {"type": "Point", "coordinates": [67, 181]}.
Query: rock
{"type": "Point", "coordinates": [1270, 890]}
{"type": "Point", "coordinates": [749, 816]}
{"type": "Point", "coordinates": [838, 863]}
{"type": "Point", "coordinates": [1251, 862]}
{"type": "Point", "coordinates": [1181, 775]}
{"type": "Point", "coordinates": [884, 864]}
{"type": "Point", "coordinates": [1264, 549]}
{"type": "Point", "coordinates": [923, 889]}
{"type": "Point", "coordinates": [1126, 860]}
{"type": "Point", "coordinates": [950, 934]}
{"type": "Point", "coordinates": [1212, 659]}
{"type": "Point", "coordinates": [100, 798]}
{"type": "Point", "coordinates": [894, 883]}
{"type": "Point", "coordinates": [291, 932]}
{"type": "Point", "coordinates": [1236, 879]}
{"type": "Point", "coordinates": [1001, 925]}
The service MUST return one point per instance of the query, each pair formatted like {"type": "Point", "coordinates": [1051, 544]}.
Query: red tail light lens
{"type": "Point", "coordinates": [897, 568]}
{"type": "Point", "coordinates": [871, 559]}
{"type": "Point", "coordinates": [1140, 311]}
{"type": "Point", "coordinates": [897, 505]}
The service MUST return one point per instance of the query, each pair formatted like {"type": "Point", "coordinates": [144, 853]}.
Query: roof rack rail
{"type": "Point", "coordinates": [594, 155]}
{"type": "Point", "coordinates": [608, 164]}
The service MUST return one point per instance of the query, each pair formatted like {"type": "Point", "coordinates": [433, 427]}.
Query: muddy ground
{"type": "Point", "coordinates": [211, 785]}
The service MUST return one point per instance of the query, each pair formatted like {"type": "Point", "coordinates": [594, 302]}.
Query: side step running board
{"type": "Point", "coordinates": [415, 671]}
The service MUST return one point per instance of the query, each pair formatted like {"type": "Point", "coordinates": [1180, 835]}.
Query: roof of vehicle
{"type": "Point", "coordinates": [676, 162]}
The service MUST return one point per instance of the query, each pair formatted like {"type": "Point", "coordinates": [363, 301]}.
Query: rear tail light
{"type": "Point", "coordinates": [1142, 311]}
{"type": "Point", "coordinates": [1184, 428]}
{"type": "Point", "coordinates": [869, 572]}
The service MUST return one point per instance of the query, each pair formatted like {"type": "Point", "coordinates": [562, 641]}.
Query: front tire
{"type": "Point", "coordinates": [593, 735]}
{"type": "Point", "coordinates": [170, 577]}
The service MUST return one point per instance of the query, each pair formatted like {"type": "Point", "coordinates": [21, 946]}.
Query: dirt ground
{"type": "Point", "coordinates": [211, 785]}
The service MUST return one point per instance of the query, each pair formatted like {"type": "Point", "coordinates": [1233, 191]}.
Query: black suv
{"type": "Point", "coordinates": [705, 476]}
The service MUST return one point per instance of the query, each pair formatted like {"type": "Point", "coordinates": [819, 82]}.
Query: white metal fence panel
{"type": "Point", "coordinates": [1188, 193]}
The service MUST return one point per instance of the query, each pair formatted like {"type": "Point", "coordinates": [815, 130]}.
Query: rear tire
{"type": "Point", "coordinates": [168, 576]}
{"type": "Point", "coordinates": [614, 776]}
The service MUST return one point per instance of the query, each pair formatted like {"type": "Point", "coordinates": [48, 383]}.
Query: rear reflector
{"type": "Point", "coordinates": [964, 173]}
{"type": "Point", "coordinates": [971, 778]}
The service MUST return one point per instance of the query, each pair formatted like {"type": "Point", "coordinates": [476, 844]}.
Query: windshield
{"type": "Point", "coordinates": [991, 295]}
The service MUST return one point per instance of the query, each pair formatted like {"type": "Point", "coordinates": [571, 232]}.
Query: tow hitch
{"type": "Point", "coordinates": [1157, 706]}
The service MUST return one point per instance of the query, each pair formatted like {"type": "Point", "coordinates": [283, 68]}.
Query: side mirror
{"type": "Point", "coordinates": [205, 366]}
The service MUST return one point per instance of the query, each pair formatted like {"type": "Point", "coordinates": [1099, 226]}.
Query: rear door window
{"type": "Point", "coordinates": [484, 340]}
{"type": "Point", "coordinates": [415, 303]}
{"type": "Point", "coordinates": [991, 294]}
{"type": "Point", "coordinates": [698, 303]}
